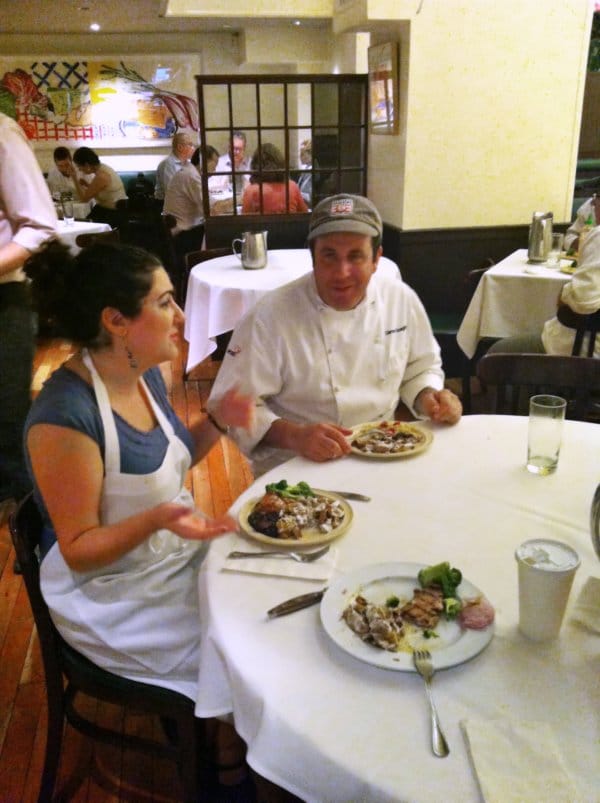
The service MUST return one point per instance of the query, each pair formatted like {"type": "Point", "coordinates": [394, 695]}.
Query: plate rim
{"type": "Point", "coordinates": [396, 455]}
{"type": "Point", "coordinates": [346, 584]}
{"type": "Point", "coordinates": [285, 543]}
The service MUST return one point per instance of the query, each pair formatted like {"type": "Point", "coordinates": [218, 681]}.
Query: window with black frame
{"type": "Point", "coordinates": [284, 141]}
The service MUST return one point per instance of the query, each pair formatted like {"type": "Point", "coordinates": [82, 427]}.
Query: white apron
{"type": "Point", "coordinates": [138, 617]}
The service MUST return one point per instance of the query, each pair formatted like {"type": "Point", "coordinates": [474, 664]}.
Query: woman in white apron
{"type": "Point", "coordinates": [109, 457]}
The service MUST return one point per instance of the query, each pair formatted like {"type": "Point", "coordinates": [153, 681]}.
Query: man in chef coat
{"type": "Point", "coordinates": [338, 347]}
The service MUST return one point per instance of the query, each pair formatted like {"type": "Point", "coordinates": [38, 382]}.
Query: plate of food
{"type": "Point", "coordinates": [295, 515]}
{"type": "Point", "coordinates": [381, 613]}
{"type": "Point", "coordinates": [389, 439]}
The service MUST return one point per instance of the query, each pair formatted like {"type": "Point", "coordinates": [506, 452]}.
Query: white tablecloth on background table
{"type": "Point", "coordinates": [329, 727]}
{"type": "Point", "coordinates": [220, 292]}
{"type": "Point", "coordinates": [68, 234]}
{"type": "Point", "coordinates": [512, 298]}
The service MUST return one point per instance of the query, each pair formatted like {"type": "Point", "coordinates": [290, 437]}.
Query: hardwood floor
{"type": "Point", "coordinates": [91, 774]}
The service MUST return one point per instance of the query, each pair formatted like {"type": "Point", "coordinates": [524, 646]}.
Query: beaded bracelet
{"type": "Point", "coordinates": [216, 425]}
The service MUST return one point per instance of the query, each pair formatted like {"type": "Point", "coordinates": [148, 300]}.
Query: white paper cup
{"type": "Point", "coordinates": [546, 417]}
{"type": "Point", "coordinates": [546, 572]}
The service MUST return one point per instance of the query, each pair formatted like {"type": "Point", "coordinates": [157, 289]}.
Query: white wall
{"type": "Point", "coordinates": [490, 110]}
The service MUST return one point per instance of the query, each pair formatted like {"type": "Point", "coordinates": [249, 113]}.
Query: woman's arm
{"type": "Point", "coordinates": [70, 483]}
{"type": "Point", "coordinates": [232, 410]}
{"type": "Point", "coordinates": [88, 191]}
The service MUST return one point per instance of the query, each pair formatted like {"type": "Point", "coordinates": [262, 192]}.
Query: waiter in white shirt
{"type": "Point", "coordinates": [27, 220]}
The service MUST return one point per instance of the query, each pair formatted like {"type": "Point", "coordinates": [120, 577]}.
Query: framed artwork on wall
{"type": "Point", "coordinates": [137, 102]}
{"type": "Point", "coordinates": [383, 88]}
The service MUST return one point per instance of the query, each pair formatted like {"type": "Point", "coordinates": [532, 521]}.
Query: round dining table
{"type": "Point", "coordinates": [68, 232]}
{"type": "Point", "coordinates": [220, 291]}
{"type": "Point", "coordinates": [328, 725]}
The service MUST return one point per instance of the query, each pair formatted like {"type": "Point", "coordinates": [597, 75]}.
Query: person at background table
{"type": "Point", "coordinates": [236, 157]}
{"type": "Point", "coordinates": [105, 188]}
{"type": "Point", "coordinates": [183, 200]}
{"type": "Point", "coordinates": [60, 176]}
{"type": "Point", "coordinates": [335, 348]}
{"type": "Point", "coordinates": [580, 295]}
{"type": "Point", "coordinates": [27, 219]}
{"type": "Point", "coordinates": [123, 546]}
{"type": "Point", "coordinates": [182, 147]}
{"type": "Point", "coordinates": [268, 192]}
{"type": "Point", "coordinates": [305, 178]}
{"type": "Point", "coordinates": [590, 209]}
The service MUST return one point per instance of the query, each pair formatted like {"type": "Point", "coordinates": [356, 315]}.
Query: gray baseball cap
{"type": "Point", "coordinates": [345, 213]}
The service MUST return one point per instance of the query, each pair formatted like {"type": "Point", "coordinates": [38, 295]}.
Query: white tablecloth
{"type": "Point", "coordinates": [328, 727]}
{"type": "Point", "coordinates": [68, 234]}
{"type": "Point", "coordinates": [220, 292]}
{"type": "Point", "coordinates": [512, 298]}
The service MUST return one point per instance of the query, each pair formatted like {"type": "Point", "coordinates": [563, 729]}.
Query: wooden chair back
{"type": "Point", "coordinates": [195, 257]}
{"type": "Point", "coordinates": [62, 661]}
{"type": "Point", "coordinates": [583, 325]}
{"type": "Point", "coordinates": [93, 237]}
{"type": "Point", "coordinates": [517, 377]}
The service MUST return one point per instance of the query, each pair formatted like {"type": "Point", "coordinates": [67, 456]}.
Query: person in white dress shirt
{"type": "Point", "coordinates": [182, 148]}
{"type": "Point", "coordinates": [335, 348]}
{"type": "Point", "coordinates": [27, 220]}
{"type": "Point", "coordinates": [236, 157]}
{"type": "Point", "coordinates": [62, 177]}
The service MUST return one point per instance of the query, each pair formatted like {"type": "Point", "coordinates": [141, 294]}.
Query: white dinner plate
{"type": "Point", "coordinates": [309, 537]}
{"type": "Point", "coordinates": [425, 438]}
{"type": "Point", "coordinates": [377, 583]}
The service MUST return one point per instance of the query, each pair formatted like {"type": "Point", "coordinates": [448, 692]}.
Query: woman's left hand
{"type": "Point", "coordinates": [235, 409]}
{"type": "Point", "coordinates": [194, 526]}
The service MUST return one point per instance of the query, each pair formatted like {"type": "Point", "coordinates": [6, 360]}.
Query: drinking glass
{"type": "Point", "coordinates": [546, 417]}
{"type": "Point", "coordinates": [555, 251]}
{"type": "Point", "coordinates": [68, 214]}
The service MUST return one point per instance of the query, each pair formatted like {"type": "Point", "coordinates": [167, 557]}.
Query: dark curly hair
{"type": "Point", "coordinates": [71, 291]}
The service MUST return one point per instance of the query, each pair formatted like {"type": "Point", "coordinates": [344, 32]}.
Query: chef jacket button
{"type": "Point", "coordinates": [336, 389]}
{"type": "Point", "coordinates": [329, 351]}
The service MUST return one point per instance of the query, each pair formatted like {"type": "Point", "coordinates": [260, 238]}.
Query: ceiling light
{"type": "Point", "coordinates": [296, 22]}
{"type": "Point", "coordinates": [94, 26]}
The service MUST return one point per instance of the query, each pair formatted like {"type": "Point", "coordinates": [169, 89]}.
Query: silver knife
{"type": "Point", "coordinates": [296, 603]}
{"type": "Point", "coordinates": [353, 496]}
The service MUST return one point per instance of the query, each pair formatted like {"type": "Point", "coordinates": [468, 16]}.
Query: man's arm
{"type": "Point", "coordinates": [27, 214]}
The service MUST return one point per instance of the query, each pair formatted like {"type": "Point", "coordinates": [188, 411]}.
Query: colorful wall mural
{"type": "Point", "coordinates": [138, 102]}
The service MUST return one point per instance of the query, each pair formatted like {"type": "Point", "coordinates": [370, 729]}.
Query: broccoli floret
{"type": "Point", "coordinates": [289, 491]}
{"type": "Point", "coordinates": [392, 602]}
{"type": "Point", "coordinates": [452, 607]}
{"type": "Point", "coordinates": [443, 575]}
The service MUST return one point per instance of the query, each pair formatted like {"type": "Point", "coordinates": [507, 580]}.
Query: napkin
{"type": "Point", "coordinates": [321, 569]}
{"type": "Point", "coordinates": [587, 607]}
{"type": "Point", "coordinates": [518, 762]}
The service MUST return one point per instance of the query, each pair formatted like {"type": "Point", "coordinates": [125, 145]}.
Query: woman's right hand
{"type": "Point", "coordinates": [193, 525]}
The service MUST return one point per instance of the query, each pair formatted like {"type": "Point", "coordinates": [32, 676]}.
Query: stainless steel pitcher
{"type": "Point", "coordinates": [253, 246]}
{"type": "Point", "coordinates": [540, 237]}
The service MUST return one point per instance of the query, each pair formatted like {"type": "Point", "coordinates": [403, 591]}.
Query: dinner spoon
{"type": "Point", "coordinates": [301, 557]}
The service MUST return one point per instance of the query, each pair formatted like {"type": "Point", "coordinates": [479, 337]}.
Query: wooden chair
{"type": "Point", "coordinates": [516, 377]}
{"type": "Point", "coordinates": [82, 676]}
{"type": "Point", "coordinates": [91, 238]}
{"type": "Point", "coordinates": [583, 325]}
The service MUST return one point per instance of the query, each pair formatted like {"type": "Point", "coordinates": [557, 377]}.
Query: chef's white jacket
{"type": "Point", "coordinates": [306, 362]}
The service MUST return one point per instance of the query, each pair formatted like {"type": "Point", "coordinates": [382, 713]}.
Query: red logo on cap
{"type": "Point", "coordinates": [343, 206]}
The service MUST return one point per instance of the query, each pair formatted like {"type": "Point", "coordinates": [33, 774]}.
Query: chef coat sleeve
{"type": "Point", "coordinates": [253, 364]}
{"type": "Point", "coordinates": [582, 293]}
{"type": "Point", "coordinates": [424, 364]}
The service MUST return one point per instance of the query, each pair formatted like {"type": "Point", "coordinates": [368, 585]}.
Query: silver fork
{"type": "Point", "coordinates": [301, 557]}
{"type": "Point", "coordinates": [424, 666]}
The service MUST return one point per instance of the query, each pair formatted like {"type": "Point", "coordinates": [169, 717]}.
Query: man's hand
{"type": "Point", "coordinates": [441, 406]}
{"type": "Point", "coordinates": [318, 442]}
